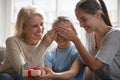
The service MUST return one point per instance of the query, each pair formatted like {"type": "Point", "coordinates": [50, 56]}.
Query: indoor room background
{"type": "Point", "coordinates": [52, 9]}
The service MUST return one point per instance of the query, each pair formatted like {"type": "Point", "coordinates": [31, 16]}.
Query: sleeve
{"type": "Point", "coordinates": [109, 48]}
{"type": "Point", "coordinates": [14, 54]}
{"type": "Point", "coordinates": [38, 58]}
{"type": "Point", "coordinates": [48, 59]}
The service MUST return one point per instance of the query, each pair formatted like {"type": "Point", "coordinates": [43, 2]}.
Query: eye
{"type": "Point", "coordinates": [83, 20]}
{"type": "Point", "coordinates": [41, 24]}
{"type": "Point", "coordinates": [35, 26]}
{"type": "Point", "coordinates": [38, 25]}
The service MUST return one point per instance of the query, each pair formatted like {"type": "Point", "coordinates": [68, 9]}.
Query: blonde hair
{"type": "Point", "coordinates": [23, 16]}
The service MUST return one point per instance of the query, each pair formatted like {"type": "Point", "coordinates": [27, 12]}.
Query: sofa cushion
{"type": "Point", "coordinates": [2, 50]}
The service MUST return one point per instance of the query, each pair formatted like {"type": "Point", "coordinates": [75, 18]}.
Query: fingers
{"type": "Point", "coordinates": [52, 33]}
{"type": "Point", "coordinates": [49, 38]}
{"type": "Point", "coordinates": [67, 32]}
{"type": "Point", "coordinates": [46, 69]}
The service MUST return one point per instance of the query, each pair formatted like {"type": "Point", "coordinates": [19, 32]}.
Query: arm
{"type": "Point", "coordinates": [72, 72]}
{"type": "Point", "coordinates": [40, 50]}
{"type": "Point", "coordinates": [16, 56]}
{"type": "Point", "coordinates": [93, 63]}
{"type": "Point", "coordinates": [106, 54]}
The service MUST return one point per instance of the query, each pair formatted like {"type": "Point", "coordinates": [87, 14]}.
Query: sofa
{"type": "Point", "coordinates": [2, 50]}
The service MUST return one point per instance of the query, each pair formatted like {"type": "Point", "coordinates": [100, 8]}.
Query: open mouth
{"type": "Point", "coordinates": [38, 34]}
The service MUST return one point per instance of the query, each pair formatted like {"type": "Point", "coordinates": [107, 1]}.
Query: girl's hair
{"type": "Point", "coordinates": [63, 19]}
{"type": "Point", "coordinates": [92, 6]}
{"type": "Point", "coordinates": [23, 16]}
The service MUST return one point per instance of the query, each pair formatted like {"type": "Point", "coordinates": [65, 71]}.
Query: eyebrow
{"type": "Point", "coordinates": [82, 17]}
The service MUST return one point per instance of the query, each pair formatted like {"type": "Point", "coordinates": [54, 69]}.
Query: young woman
{"type": "Point", "coordinates": [103, 57]}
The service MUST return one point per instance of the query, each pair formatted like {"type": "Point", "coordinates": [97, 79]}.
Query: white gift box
{"type": "Point", "coordinates": [32, 72]}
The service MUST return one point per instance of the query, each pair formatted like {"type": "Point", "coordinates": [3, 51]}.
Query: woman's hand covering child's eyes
{"type": "Point", "coordinates": [49, 37]}
{"type": "Point", "coordinates": [68, 32]}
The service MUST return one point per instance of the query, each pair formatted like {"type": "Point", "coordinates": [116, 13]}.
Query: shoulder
{"type": "Point", "coordinates": [51, 51]}
{"type": "Point", "coordinates": [12, 39]}
{"type": "Point", "coordinates": [115, 30]}
{"type": "Point", "coordinates": [74, 49]}
{"type": "Point", "coordinates": [114, 33]}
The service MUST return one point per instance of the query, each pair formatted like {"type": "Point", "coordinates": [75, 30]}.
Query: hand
{"type": "Point", "coordinates": [67, 30]}
{"type": "Point", "coordinates": [49, 37]}
{"type": "Point", "coordinates": [49, 74]}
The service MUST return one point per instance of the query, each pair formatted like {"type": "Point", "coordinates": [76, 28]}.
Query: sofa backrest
{"type": "Point", "coordinates": [2, 50]}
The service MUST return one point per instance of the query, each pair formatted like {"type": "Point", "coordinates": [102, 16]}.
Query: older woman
{"type": "Point", "coordinates": [26, 49]}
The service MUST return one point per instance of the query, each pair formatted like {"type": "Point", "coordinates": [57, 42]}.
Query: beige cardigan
{"type": "Point", "coordinates": [19, 54]}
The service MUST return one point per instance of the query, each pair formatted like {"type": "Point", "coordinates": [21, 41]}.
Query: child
{"type": "Point", "coordinates": [62, 62]}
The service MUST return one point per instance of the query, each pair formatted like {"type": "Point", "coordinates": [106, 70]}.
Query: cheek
{"type": "Point", "coordinates": [93, 24]}
{"type": "Point", "coordinates": [90, 23]}
{"type": "Point", "coordinates": [27, 31]}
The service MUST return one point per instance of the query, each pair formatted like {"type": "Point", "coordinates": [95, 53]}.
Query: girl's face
{"type": "Point", "coordinates": [61, 41]}
{"type": "Point", "coordinates": [33, 29]}
{"type": "Point", "coordinates": [87, 21]}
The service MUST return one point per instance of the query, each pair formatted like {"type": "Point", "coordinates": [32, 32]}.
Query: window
{"type": "Point", "coordinates": [52, 9]}
{"type": "Point", "coordinates": [112, 7]}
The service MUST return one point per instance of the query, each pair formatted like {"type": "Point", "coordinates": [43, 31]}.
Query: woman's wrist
{"type": "Point", "coordinates": [75, 40]}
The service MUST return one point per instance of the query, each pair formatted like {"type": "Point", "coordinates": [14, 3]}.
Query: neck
{"type": "Point", "coordinates": [100, 35]}
{"type": "Point", "coordinates": [102, 31]}
{"type": "Point", "coordinates": [30, 41]}
{"type": "Point", "coordinates": [64, 47]}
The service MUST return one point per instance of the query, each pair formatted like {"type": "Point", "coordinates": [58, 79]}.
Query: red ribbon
{"type": "Point", "coordinates": [35, 68]}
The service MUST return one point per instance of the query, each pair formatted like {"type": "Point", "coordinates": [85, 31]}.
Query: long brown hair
{"type": "Point", "coordinates": [92, 6]}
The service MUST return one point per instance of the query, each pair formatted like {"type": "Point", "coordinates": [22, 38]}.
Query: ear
{"type": "Point", "coordinates": [98, 14]}
{"type": "Point", "coordinates": [23, 28]}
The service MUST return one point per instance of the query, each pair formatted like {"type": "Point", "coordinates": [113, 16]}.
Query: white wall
{"type": "Point", "coordinates": [6, 25]}
{"type": "Point", "coordinates": [2, 21]}
{"type": "Point", "coordinates": [5, 20]}
{"type": "Point", "coordinates": [119, 13]}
